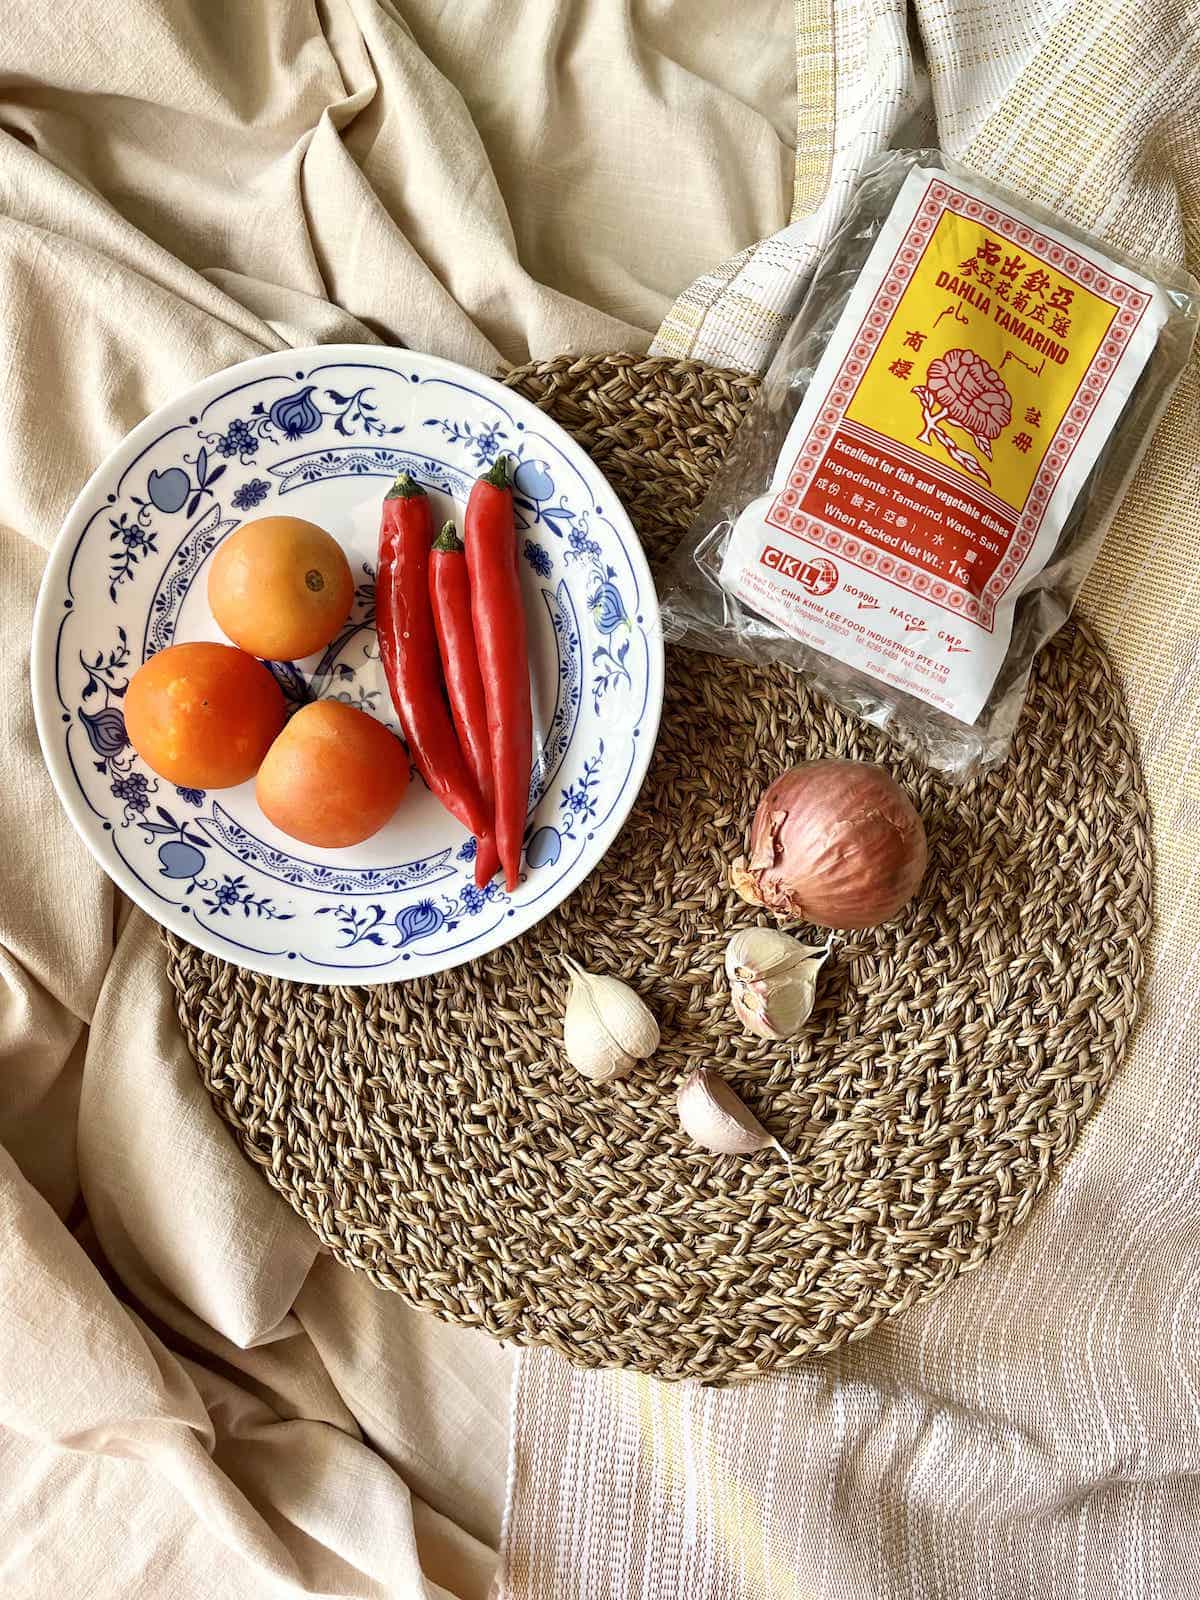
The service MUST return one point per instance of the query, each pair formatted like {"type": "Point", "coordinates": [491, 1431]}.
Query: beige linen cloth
{"type": "Point", "coordinates": [1036, 1432]}
{"type": "Point", "coordinates": [193, 1401]}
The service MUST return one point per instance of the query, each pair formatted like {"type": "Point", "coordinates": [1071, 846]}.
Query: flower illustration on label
{"type": "Point", "coordinates": [961, 390]}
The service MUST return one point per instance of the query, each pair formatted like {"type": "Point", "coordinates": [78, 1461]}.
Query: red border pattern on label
{"type": "Point", "coordinates": [1129, 304]}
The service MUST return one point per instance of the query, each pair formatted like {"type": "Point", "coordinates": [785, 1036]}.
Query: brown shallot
{"type": "Point", "coordinates": [835, 843]}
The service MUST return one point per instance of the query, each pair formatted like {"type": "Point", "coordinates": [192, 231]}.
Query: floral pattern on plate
{"type": "Point", "coordinates": [320, 434]}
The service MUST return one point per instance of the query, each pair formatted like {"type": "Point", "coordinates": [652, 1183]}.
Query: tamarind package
{"type": "Point", "coordinates": [914, 499]}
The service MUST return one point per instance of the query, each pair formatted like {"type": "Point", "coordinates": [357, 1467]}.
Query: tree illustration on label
{"type": "Point", "coordinates": [961, 390]}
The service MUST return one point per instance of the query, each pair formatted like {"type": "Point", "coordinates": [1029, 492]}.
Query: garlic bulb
{"type": "Point", "coordinates": [712, 1115]}
{"type": "Point", "coordinates": [607, 1027]}
{"type": "Point", "coordinates": [773, 980]}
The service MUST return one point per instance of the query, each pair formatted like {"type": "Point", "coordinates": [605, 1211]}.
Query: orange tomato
{"type": "Point", "coordinates": [333, 777]}
{"type": "Point", "coordinates": [280, 588]}
{"type": "Point", "coordinates": [203, 715]}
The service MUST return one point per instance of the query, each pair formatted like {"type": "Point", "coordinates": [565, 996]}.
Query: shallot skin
{"type": "Point", "coordinates": [834, 843]}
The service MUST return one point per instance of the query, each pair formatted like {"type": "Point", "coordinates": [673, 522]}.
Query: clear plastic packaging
{"type": "Point", "coordinates": [914, 499]}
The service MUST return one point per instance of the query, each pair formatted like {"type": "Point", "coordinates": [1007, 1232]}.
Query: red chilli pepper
{"type": "Point", "coordinates": [408, 648]}
{"type": "Point", "coordinates": [499, 619]}
{"type": "Point", "coordinates": [450, 596]}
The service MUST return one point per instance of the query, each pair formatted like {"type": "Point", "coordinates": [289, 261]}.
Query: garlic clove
{"type": "Point", "coordinates": [622, 1011]}
{"type": "Point", "coordinates": [764, 952]}
{"type": "Point", "coordinates": [773, 1010]}
{"type": "Point", "coordinates": [591, 1050]}
{"type": "Point", "coordinates": [606, 1027]}
{"type": "Point", "coordinates": [773, 980]}
{"type": "Point", "coordinates": [713, 1116]}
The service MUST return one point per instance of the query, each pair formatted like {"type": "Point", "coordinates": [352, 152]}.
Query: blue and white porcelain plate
{"type": "Point", "coordinates": [320, 434]}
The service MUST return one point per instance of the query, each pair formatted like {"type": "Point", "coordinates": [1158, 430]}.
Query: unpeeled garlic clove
{"type": "Point", "coordinates": [607, 1027]}
{"type": "Point", "coordinates": [761, 952]}
{"type": "Point", "coordinates": [591, 1051]}
{"type": "Point", "coordinates": [713, 1116]}
{"type": "Point", "coordinates": [773, 980]}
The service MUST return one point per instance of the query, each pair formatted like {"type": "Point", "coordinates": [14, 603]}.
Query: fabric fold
{"type": "Point", "coordinates": [1036, 1430]}
{"type": "Point", "coordinates": [192, 1400]}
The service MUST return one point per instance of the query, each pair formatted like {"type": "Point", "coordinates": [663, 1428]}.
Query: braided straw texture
{"type": "Point", "coordinates": [434, 1138]}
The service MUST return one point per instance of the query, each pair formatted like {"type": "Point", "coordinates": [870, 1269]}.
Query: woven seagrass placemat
{"type": "Point", "coordinates": [434, 1138]}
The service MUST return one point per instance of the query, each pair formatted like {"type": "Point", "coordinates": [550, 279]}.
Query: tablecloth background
{"type": "Point", "coordinates": [193, 1400]}
{"type": "Point", "coordinates": [1037, 1430]}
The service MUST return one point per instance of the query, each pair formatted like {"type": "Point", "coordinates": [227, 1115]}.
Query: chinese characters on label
{"type": "Point", "coordinates": [956, 411]}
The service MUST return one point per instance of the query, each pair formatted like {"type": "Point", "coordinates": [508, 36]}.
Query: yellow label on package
{"type": "Point", "coordinates": [959, 406]}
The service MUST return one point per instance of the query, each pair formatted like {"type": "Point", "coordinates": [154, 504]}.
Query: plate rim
{"type": "Point", "coordinates": [46, 621]}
